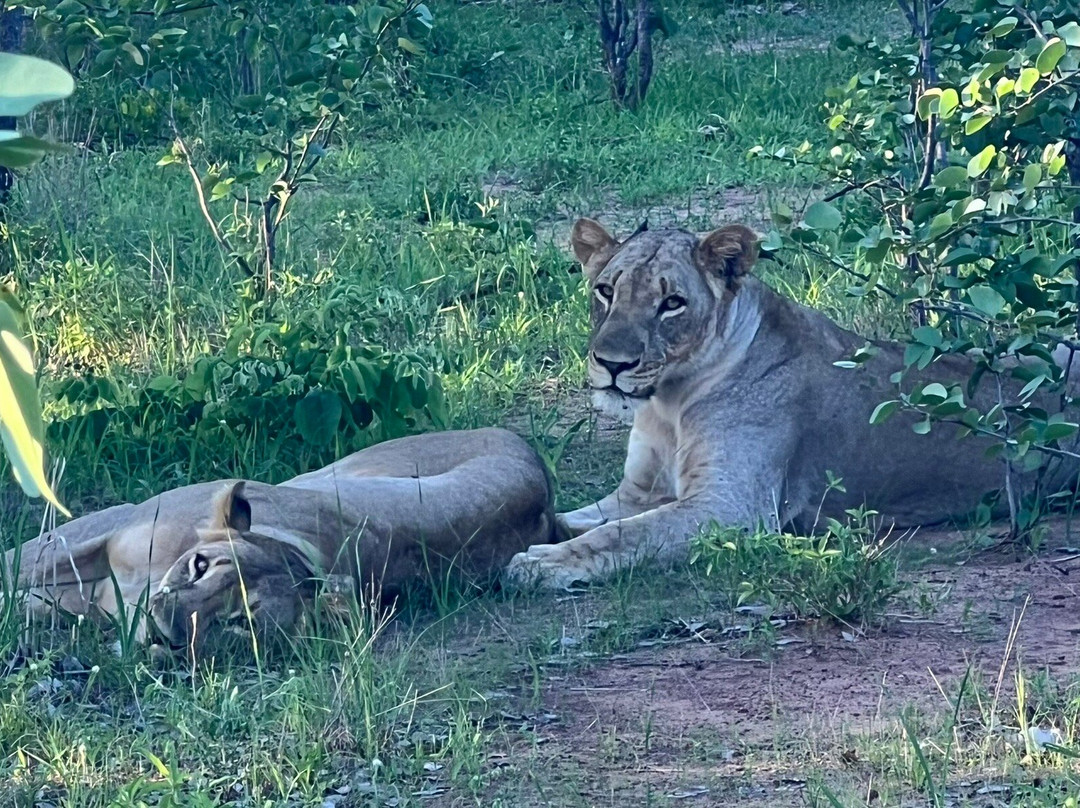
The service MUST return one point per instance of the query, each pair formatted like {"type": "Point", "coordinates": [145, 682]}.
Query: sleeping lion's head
{"type": "Point", "coordinates": [658, 300]}
{"type": "Point", "coordinates": [233, 579]}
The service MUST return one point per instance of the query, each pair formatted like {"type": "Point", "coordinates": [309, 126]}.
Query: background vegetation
{"type": "Point", "coordinates": [283, 234]}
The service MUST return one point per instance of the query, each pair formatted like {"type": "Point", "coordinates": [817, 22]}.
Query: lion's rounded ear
{"type": "Point", "coordinates": [593, 245]}
{"type": "Point", "coordinates": [237, 509]}
{"type": "Point", "coordinates": [729, 252]}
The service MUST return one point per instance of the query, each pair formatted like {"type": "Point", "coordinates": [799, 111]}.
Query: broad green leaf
{"type": "Point", "coordinates": [134, 53]}
{"type": "Point", "coordinates": [927, 335]}
{"type": "Point", "coordinates": [21, 427]}
{"type": "Point", "coordinates": [981, 161]}
{"type": "Point", "coordinates": [410, 46]}
{"type": "Point", "coordinates": [986, 299]}
{"type": "Point", "coordinates": [928, 103]}
{"type": "Point", "coordinates": [938, 225]}
{"type": "Point", "coordinates": [351, 70]}
{"type": "Point", "coordinates": [823, 216]}
{"type": "Point", "coordinates": [951, 177]}
{"type": "Point", "coordinates": [950, 100]}
{"type": "Point", "coordinates": [934, 393]}
{"type": "Point", "coordinates": [374, 17]}
{"type": "Point", "coordinates": [1070, 32]}
{"type": "Point", "coordinates": [976, 122]}
{"type": "Point", "coordinates": [1004, 26]}
{"type": "Point", "coordinates": [1059, 430]}
{"type": "Point", "coordinates": [1032, 176]}
{"type": "Point", "coordinates": [21, 151]}
{"type": "Point", "coordinates": [1029, 76]}
{"type": "Point", "coordinates": [883, 410]}
{"type": "Point", "coordinates": [957, 256]}
{"type": "Point", "coordinates": [1050, 56]}
{"type": "Point", "coordinates": [26, 81]}
{"type": "Point", "coordinates": [921, 427]}
{"type": "Point", "coordinates": [317, 415]}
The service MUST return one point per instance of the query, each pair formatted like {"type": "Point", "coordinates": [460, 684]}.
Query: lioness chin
{"type": "Point", "coordinates": [739, 411]}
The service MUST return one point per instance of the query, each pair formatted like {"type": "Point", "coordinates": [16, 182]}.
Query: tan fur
{"type": "Point", "coordinates": [739, 411]}
{"type": "Point", "coordinates": [399, 513]}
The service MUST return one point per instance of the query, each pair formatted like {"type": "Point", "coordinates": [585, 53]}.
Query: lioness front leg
{"type": "Point", "coordinates": [622, 503]}
{"type": "Point", "coordinates": [663, 533]}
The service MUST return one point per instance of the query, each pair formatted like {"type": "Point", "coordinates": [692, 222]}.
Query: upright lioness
{"type": "Point", "coordinates": [739, 411]}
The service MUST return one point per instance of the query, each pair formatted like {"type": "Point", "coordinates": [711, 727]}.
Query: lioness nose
{"type": "Point", "coordinates": [614, 366]}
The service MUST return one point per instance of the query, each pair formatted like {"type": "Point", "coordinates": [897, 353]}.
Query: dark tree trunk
{"type": "Point", "coordinates": [621, 36]}
{"type": "Point", "coordinates": [12, 24]}
{"type": "Point", "coordinates": [1072, 165]}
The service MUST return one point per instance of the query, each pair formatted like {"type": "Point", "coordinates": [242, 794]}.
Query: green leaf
{"type": "Point", "coordinates": [374, 17]}
{"type": "Point", "coordinates": [1050, 56]}
{"type": "Point", "coordinates": [928, 103]}
{"type": "Point", "coordinates": [981, 161]}
{"type": "Point", "coordinates": [950, 100]}
{"type": "Point", "coordinates": [1070, 32]}
{"type": "Point", "coordinates": [351, 70]}
{"type": "Point", "coordinates": [409, 46]}
{"type": "Point", "coordinates": [986, 300]}
{"type": "Point", "coordinates": [262, 161]}
{"type": "Point", "coordinates": [951, 177]}
{"type": "Point", "coordinates": [20, 151]}
{"type": "Point", "coordinates": [927, 335]}
{"type": "Point", "coordinates": [921, 427]}
{"type": "Point", "coordinates": [1059, 430]}
{"type": "Point", "coordinates": [162, 769]}
{"type": "Point", "coordinates": [938, 225]}
{"type": "Point", "coordinates": [1029, 77]}
{"type": "Point", "coordinates": [933, 393]}
{"type": "Point", "coordinates": [883, 411]}
{"type": "Point", "coordinates": [1032, 176]}
{"type": "Point", "coordinates": [1004, 26]}
{"type": "Point", "coordinates": [317, 415]}
{"type": "Point", "coordinates": [21, 426]}
{"type": "Point", "coordinates": [134, 53]}
{"type": "Point", "coordinates": [823, 216]}
{"type": "Point", "coordinates": [26, 81]}
{"type": "Point", "coordinates": [976, 122]}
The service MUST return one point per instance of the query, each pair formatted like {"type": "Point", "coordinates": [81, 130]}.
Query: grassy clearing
{"type": "Point", "coordinates": [651, 691]}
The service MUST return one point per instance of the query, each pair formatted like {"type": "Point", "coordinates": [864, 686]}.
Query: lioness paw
{"type": "Point", "coordinates": [547, 566]}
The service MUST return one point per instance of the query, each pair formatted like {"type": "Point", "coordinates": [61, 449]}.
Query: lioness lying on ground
{"type": "Point", "coordinates": [386, 517]}
{"type": "Point", "coordinates": [739, 412]}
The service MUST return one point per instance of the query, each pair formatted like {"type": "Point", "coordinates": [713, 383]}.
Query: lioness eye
{"type": "Point", "coordinates": [606, 291]}
{"type": "Point", "coordinates": [197, 567]}
{"type": "Point", "coordinates": [672, 303]}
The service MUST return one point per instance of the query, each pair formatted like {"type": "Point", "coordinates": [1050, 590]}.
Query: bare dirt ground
{"type": "Point", "coordinates": [702, 716]}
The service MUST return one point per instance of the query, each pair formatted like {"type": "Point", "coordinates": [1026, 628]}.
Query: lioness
{"type": "Point", "coordinates": [738, 410]}
{"type": "Point", "coordinates": [388, 516]}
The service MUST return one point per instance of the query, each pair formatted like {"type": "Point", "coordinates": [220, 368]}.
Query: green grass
{"type": "Point", "coordinates": [444, 704]}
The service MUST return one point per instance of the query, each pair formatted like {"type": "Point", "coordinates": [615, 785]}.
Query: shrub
{"type": "Point", "coordinates": [846, 573]}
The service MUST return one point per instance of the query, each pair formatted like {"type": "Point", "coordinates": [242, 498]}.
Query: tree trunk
{"type": "Point", "coordinates": [12, 24]}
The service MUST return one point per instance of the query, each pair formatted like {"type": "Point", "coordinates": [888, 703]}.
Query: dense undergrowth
{"type": "Point", "coordinates": [426, 267]}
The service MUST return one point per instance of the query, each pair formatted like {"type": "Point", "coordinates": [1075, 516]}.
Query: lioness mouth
{"type": "Point", "coordinates": [611, 388]}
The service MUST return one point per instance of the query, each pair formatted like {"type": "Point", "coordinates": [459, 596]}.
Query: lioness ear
{"type": "Point", "coordinates": [237, 509]}
{"type": "Point", "coordinates": [729, 252]}
{"type": "Point", "coordinates": [593, 245]}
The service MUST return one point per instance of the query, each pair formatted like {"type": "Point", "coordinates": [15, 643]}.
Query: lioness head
{"type": "Point", "coordinates": [233, 579]}
{"type": "Point", "coordinates": [658, 299]}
